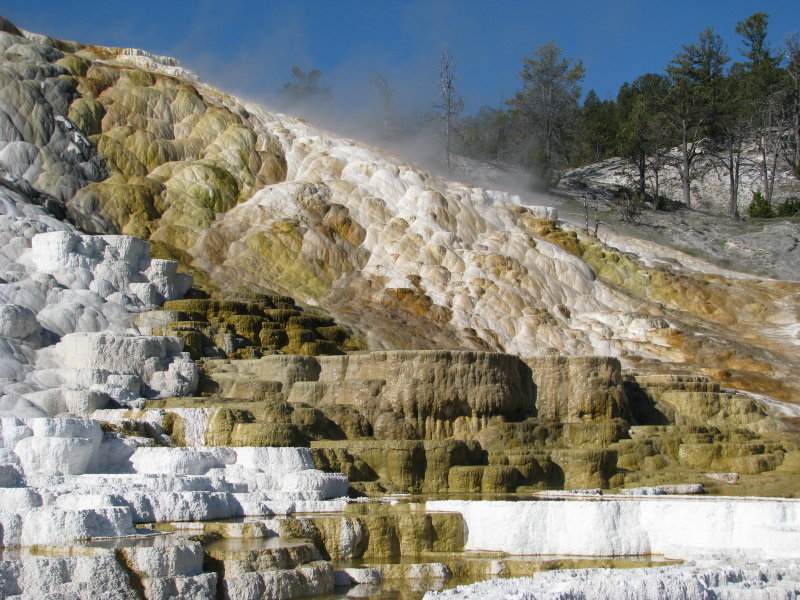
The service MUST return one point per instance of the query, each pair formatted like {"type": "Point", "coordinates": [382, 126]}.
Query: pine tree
{"type": "Point", "coordinates": [643, 134]}
{"type": "Point", "coordinates": [767, 92]}
{"type": "Point", "coordinates": [726, 148]}
{"type": "Point", "coordinates": [547, 106]}
{"type": "Point", "coordinates": [598, 128]}
{"type": "Point", "coordinates": [696, 74]}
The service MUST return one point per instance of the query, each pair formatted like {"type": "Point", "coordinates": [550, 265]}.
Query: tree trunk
{"type": "Point", "coordinates": [733, 182]}
{"type": "Point", "coordinates": [797, 135]}
{"type": "Point", "coordinates": [447, 143]}
{"type": "Point", "coordinates": [764, 169]}
{"type": "Point", "coordinates": [642, 172]}
{"type": "Point", "coordinates": [684, 171]}
{"type": "Point", "coordinates": [796, 125]}
{"type": "Point", "coordinates": [656, 189]}
{"type": "Point", "coordinates": [773, 171]}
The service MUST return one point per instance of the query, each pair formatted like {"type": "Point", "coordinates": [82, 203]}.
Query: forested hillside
{"type": "Point", "coordinates": [733, 111]}
{"type": "Point", "coordinates": [742, 115]}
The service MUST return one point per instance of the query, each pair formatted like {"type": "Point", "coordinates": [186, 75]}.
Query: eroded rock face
{"type": "Point", "coordinates": [436, 394]}
{"type": "Point", "coordinates": [67, 480]}
{"type": "Point", "coordinates": [380, 531]}
{"type": "Point", "coordinates": [40, 145]}
{"type": "Point", "coordinates": [239, 325]}
{"type": "Point", "coordinates": [577, 389]}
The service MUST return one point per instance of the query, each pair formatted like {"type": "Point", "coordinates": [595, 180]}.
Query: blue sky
{"type": "Point", "coordinates": [248, 47]}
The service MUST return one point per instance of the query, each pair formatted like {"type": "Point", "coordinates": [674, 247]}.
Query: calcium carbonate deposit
{"type": "Point", "coordinates": [215, 461]}
{"type": "Point", "coordinates": [680, 527]}
{"type": "Point", "coordinates": [751, 581]}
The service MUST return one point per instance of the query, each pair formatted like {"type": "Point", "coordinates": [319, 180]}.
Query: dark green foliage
{"type": "Point", "coordinates": [547, 108]}
{"type": "Point", "coordinates": [486, 135]}
{"type": "Point", "coordinates": [697, 76]}
{"type": "Point", "coordinates": [760, 208]}
{"type": "Point", "coordinates": [789, 207]}
{"type": "Point", "coordinates": [542, 170]}
{"type": "Point", "coordinates": [701, 105]}
{"type": "Point", "coordinates": [598, 129]}
{"type": "Point", "coordinates": [763, 63]}
{"type": "Point", "coordinates": [628, 203]}
{"type": "Point", "coordinates": [644, 133]}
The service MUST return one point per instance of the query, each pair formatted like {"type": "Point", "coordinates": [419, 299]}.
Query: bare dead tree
{"type": "Point", "coordinates": [771, 128]}
{"type": "Point", "coordinates": [449, 102]}
{"type": "Point", "coordinates": [382, 85]}
{"type": "Point", "coordinates": [591, 220]}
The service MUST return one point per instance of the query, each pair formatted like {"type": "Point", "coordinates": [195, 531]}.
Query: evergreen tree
{"type": "Point", "coordinates": [643, 134]}
{"type": "Point", "coordinates": [598, 128]}
{"type": "Point", "coordinates": [726, 148]}
{"type": "Point", "coordinates": [485, 135]}
{"type": "Point", "coordinates": [767, 92]}
{"type": "Point", "coordinates": [694, 107]}
{"type": "Point", "coordinates": [759, 55]}
{"type": "Point", "coordinates": [547, 106]}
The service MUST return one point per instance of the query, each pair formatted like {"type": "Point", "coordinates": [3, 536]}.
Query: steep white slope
{"type": "Point", "coordinates": [263, 201]}
{"type": "Point", "coordinates": [467, 249]}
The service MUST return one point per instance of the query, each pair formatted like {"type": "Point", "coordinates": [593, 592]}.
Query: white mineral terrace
{"type": "Point", "coordinates": [63, 480]}
{"type": "Point", "coordinates": [676, 527]}
{"type": "Point", "coordinates": [723, 534]}
{"type": "Point", "coordinates": [771, 581]}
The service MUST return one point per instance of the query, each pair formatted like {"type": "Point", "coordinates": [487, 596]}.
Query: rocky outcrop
{"type": "Point", "coordinates": [467, 422]}
{"type": "Point", "coordinates": [577, 389]}
{"type": "Point", "coordinates": [248, 326]}
{"type": "Point", "coordinates": [439, 394]}
{"type": "Point", "coordinates": [67, 480]}
{"type": "Point", "coordinates": [380, 531]}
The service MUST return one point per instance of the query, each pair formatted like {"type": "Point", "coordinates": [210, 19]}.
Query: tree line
{"type": "Point", "coordinates": [703, 109]}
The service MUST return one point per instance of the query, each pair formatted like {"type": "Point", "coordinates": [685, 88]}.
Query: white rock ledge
{"type": "Point", "coordinates": [64, 480]}
{"type": "Point", "coordinates": [765, 581]}
{"type": "Point", "coordinates": [677, 526]}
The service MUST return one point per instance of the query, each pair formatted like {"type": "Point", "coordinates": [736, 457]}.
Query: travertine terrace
{"type": "Point", "coordinates": [243, 358]}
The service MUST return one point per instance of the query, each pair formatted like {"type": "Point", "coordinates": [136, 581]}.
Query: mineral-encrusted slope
{"type": "Point", "coordinates": [209, 404]}
{"type": "Point", "coordinates": [253, 200]}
